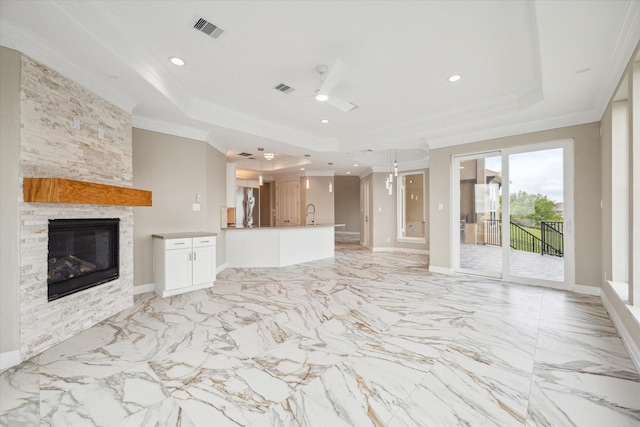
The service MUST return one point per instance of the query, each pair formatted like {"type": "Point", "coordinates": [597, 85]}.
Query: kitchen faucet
{"type": "Point", "coordinates": [313, 213]}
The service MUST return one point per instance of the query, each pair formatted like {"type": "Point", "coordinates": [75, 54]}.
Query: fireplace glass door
{"type": "Point", "coordinates": [82, 253]}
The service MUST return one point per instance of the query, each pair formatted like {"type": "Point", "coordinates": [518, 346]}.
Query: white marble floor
{"type": "Point", "coordinates": [365, 339]}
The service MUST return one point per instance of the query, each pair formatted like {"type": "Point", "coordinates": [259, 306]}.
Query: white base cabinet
{"type": "Point", "coordinates": [183, 262]}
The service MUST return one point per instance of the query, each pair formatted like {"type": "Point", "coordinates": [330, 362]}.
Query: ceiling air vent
{"type": "Point", "coordinates": [208, 28]}
{"type": "Point", "coordinates": [283, 88]}
{"type": "Point", "coordinates": [245, 154]}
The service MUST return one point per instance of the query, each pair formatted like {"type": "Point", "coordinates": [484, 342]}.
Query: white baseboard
{"type": "Point", "coordinates": [9, 359]}
{"type": "Point", "coordinates": [441, 270]}
{"type": "Point", "coordinates": [392, 249]}
{"type": "Point", "coordinates": [627, 340]}
{"type": "Point", "coordinates": [220, 268]}
{"type": "Point", "coordinates": [349, 233]}
{"type": "Point", "coordinates": [143, 289]}
{"type": "Point", "coordinates": [587, 290]}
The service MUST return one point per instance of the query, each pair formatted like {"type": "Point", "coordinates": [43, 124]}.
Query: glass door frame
{"type": "Point", "coordinates": [455, 209]}
{"type": "Point", "coordinates": [569, 237]}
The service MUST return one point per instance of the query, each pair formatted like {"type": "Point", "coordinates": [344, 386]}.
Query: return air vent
{"type": "Point", "coordinates": [245, 154]}
{"type": "Point", "coordinates": [283, 88]}
{"type": "Point", "coordinates": [208, 28]}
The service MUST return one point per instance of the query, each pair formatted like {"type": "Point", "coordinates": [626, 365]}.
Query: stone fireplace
{"type": "Point", "coordinates": [59, 138]}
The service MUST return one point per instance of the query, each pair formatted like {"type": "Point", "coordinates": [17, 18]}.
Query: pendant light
{"type": "Point", "coordinates": [395, 163]}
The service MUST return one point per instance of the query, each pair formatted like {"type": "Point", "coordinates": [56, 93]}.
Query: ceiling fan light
{"type": "Point", "coordinates": [177, 61]}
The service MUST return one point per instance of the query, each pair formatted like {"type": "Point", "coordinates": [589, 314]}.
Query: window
{"type": "Point", "coordinates": [411, 207]}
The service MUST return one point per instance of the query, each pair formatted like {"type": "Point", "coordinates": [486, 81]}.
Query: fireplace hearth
{"type": "Point", "coordinates": [83, 253]}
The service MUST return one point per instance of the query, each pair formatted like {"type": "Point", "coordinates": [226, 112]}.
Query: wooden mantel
{"type": "Point", "coordinates": [59, 190]}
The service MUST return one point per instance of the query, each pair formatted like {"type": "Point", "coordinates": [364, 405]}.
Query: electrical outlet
{"type": "Point", "coordinates": [196, 207]}
{"type": "Point", "coordinates": [100, 133]}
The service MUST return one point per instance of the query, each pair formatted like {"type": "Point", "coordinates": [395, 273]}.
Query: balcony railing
{"type": "Point", "coordinates": [551, 241]}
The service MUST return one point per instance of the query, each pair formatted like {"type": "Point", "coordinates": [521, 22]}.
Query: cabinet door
{"type": "Point", "coordinates": [204, 264]}
{"type": "Point", "coordinates": [178, 268]}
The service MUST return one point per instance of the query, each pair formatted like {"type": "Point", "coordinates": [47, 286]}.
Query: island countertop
{"type": "Point", "coordinates": [278, 246]}
{"type": "Point", "coordinates": [284, 227]}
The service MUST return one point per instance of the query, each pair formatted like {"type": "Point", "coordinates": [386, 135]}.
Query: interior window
{"type": "Point", "coordinates": [411, 212]}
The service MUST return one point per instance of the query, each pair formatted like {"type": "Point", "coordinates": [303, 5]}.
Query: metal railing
{"type": "Point", "coordinates": [552, 233]}
{"type": "Point", "coordinates": [550, 243]}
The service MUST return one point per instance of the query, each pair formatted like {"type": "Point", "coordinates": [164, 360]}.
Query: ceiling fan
{"type": "Point", "coordinates": [329, 79]}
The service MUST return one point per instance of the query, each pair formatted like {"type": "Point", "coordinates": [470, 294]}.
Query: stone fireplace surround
{"type": "Point", "coordinates": [51, 147]}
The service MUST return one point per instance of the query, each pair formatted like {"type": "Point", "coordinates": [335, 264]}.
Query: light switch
{"type": "Point", "coordinates": [198, 197]}
{"type": "Point", "coordinates": [196, 207]}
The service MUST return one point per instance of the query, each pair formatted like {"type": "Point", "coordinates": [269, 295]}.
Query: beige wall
{"type": "Point", "coordinates": [318, 194]}
{"type": "Point", "coordinates": [347, 203]}
{"type": "Point", "coordinates": [9, 199]}
{"type": "Point", "coordinates": [586, 195]}
{"type": "Point", "coordinates": [175, 169]}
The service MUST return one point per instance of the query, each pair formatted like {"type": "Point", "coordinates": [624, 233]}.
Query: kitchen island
{"type": "Point", "coordinates": [278, 246]}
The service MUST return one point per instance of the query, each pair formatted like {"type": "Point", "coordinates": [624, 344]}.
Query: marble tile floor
{"type": "Point", "coordinates": [365, 339]}
{"type": "Point", "coordinates": [488, 258]}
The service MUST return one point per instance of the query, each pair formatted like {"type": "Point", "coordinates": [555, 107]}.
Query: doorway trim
{"type": "Point", "coordinates": [569, 243]}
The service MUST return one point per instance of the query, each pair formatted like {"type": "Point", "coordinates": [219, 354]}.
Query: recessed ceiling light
{"type": "Point", "coordinates": [177, 61]}
{"type": "Point", "coordinates": [355, 166]}
{"type": "Point", "coordinates": [348, 173]}
{"type": "Point", "coordinates": [324, 121]}
{"type": "Point", "coordinates": [455, 78]}
{"type": "Point", "coordinates": [321, 97]}
{"type": "Point", "coordinates": [301, 169]}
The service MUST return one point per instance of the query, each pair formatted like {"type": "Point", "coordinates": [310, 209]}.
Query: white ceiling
{"type": "Point", "coordinates": [525, 66]}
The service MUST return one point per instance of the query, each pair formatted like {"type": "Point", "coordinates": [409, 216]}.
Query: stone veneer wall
{"type": "Point", "coordinates": [50, 147]}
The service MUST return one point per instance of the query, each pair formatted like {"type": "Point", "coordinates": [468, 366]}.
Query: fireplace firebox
{"type": "Point", "coordinates": [82, 253]}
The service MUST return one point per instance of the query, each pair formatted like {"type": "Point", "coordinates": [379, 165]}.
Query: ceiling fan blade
{"type": "Point", "coordinates": [335, 75]}
{"type": "Point", "coordinates": [341, 104]}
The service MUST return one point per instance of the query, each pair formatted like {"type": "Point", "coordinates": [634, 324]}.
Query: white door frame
{"type": "Point", "coordinates": [366, 217]}
{"type": "Point", "coordinates": [455, 210]}
{"type": "Point", "coordinates": [568, 214]}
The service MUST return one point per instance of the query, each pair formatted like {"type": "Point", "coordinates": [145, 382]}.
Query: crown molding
{"type": "Point", "coordinates": [625, 45]}
{"type": "Point", "coordinates": [25, 41]}
{"type": "Point", "coordinates": [101, 23]}
{"type": "Point", "coordinates": [182, 131]}
{"type": "Point", "coordinates": [475, 135]}
{"type": "Point", "coordinates": [154, 125]}
{"type": "Point", "coordinates": [320, 173]}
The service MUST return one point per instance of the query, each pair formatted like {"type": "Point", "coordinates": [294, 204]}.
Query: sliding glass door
{"type": "Point", "coordinates": [536, 215]}
{"type": "Point", "coordinates": [479, 210]}
{"type": "Point", "coordinates": [514, 210]}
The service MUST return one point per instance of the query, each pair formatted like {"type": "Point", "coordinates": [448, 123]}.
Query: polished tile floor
{"type": "Point", "coordinates": [365, 339]}
{"type": "Point", "coordinates": [488, 258]}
